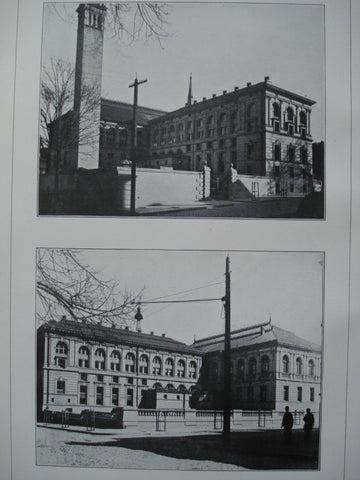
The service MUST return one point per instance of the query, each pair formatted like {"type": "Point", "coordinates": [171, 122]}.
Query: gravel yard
{"type": "Point", "coordinates": [53, 449]}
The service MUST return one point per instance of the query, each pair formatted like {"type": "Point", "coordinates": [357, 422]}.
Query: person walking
{"type": "Point", "coordinates": [287, 423]}
{"type": "Point", "coordinates": [308, 423]}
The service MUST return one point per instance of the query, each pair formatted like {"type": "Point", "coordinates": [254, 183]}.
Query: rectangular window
{"type": "Point", "coordinates": [60, 362]}
{"type": "Point", "coordinates": [60, 387]}
{"type": "Point", "coordinates": [115, 396]}
{"type": "Point", "coordinates": [233, 142]}
{"type": "Point", "coordinates": [129, 397]}
{"type": "Point", "coordinates": [286, 393]}
{"type": "Point", "coordinates": [299, 394]}
{"type": "Point", "coordinates": [130, 380]}
{"type": "Point", "coordinates": [116, 379]}
{"type": "Point", "coordinates": [99, 365]}
{"type": "Point", "coordinates": [115, 367]}
{"type": "Point", "coordinates": [291, 172]}
{"type": "Point", "coordinates": [277, 151]}
{"type": "Point", "coordinates": [221, 143]}
{"type": "Point", "coordinates": [83, 376]}
{"type": "Point", "coordinates": [83, 363]}
{"type": "Point", "coordinates": [250, 394]}
{"type": "Point", "coordinates": [312, 394]}
{"type": "Point", "coordinates": [99, 395]}
{"type": "Point", "coordinates": [276, 126]}
{"type": "Point", "coordinates": [143, 381]}
{"type": "Point", "coordinates": [83, 394]}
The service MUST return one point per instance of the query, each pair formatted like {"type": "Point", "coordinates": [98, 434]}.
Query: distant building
{"type": "Point", "coordinates": [84, 366]}
{"type": "Point", "coordinates": [271, 368]}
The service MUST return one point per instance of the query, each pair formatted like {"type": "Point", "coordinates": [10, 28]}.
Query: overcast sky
{"type": "Point", "coordinates": [286, 285]}
{"type": "Point", "coordinates": [222, 45]}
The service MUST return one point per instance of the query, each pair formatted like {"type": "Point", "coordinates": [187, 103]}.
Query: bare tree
{"type": "Point", "coordinates": [57, 117]}
{"type": "Point", "coordinates": [127, 21]}
{"type": "Point", "coordinates": [66, 286]}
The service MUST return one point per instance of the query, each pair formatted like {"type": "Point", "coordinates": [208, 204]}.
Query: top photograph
{"type": "Point", "coordinates": [186, 110]}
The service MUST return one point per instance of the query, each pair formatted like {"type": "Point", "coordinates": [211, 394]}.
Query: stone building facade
{"type": "Point", "coordinates": [271, 368]}
{"type": "Point", "coordinates": [261, 130]}
{"type": "Point", "coordinates": [82, 366]}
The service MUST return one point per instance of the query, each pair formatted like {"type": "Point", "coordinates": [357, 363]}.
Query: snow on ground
{"type": "Point", "coordinates": [52, 449]}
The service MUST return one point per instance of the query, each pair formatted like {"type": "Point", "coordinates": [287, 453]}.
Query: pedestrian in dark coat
{"type": "Point", "coordinates": [308, 423]}
{"type": "Point", "coordinates": [287, 423]}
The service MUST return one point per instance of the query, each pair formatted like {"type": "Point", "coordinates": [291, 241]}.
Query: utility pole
{"type": "Point", "coordinates": [134, 144]}
{"type": "Point", "coordinates": [227, 357]}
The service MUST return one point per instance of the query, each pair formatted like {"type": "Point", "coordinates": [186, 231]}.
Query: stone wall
{"type": "Point", "coordinates": [163, 186]}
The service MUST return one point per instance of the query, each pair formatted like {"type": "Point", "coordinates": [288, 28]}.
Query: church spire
{"type": "Point", "coordinates": [190, 97]}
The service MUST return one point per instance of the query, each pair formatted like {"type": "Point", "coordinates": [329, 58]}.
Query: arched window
{"type": "Point", "coordinates": [180, 132]}
{"type": "Point", "coordinates": [156, 370]}
{"type": "Point", "coordinates": [241, 368]}
{"type": "Point", "coordinates": [222, 124]}
{"type": "Point", "coordinates": [265, 365]}
{"type": "Point", "coordinates": [303, 119]}
{"type": "Point", "coordinates": [144, 364]}
{"type": "Point", "coordinates": [290, 114]}
{"type": "Point", "coordinates": [189, 130]}
{"type": "Point", "coordinates": [157, 386]}
{"type": "Point", "coordinates": [130, 362]}
{"type": "Point", "coordinates": [298, 366]}
{"type": "Point", "coordinates": [169, 367]}
{"type": "Point", "coordinates": [210, 125]}
{"type": "Point", "coordinates": [170, 386]}
{"type": "Point", "coordinates": [61, 354]}
{"type": "Point", "coordinates": [286, 364]}
{"type": "Point", "coordinates": [115, 359]}
{"type": "Point", "coordinates": [84, 357]}
{"type": "Point", "coordinates": [311, 368]}
{"type": "Point", "coordinates": [180, 369]}
{"type": "Point", "coordinates": [61, 348]}
{"type": "Point", "coordinates": [192, 369]}
{"type": "Point", "coordinates": [251, 117]}
{"type": "Point", "coordinates": [100, 359]}
{"type": "Point", "coordinates": [172, 134]}
{"type": "Point", "coordinates": [251, 110]}
{"type": "Point", "coordinates": [233, 120]}
{"type": "Point", "coordinates": [252, 367]}
{"type": "Point", "coordinates": [276, 110]}
{"type": "Point", "coordinates": [182, 388]}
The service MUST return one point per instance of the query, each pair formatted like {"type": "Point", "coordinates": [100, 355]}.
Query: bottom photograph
{"type": "Point", "coordinates": [179, 359]}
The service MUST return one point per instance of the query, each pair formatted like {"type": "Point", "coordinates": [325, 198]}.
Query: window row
{"type": "Point", "coordinates": [156, 367]}
{"type": "Point", "coordinates": [254, 367]}
{"type": "Point", "coordinates": [299, 394]}
{"type": "Point", "coordinates": [291, 153]}
{"type": "Point", "coordinates": [299, 366]}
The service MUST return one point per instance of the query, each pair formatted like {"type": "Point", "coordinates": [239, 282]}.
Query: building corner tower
{"type": "Point", "coordinates": [88, 73]}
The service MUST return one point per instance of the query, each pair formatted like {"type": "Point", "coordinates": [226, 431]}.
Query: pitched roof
{"type": "Point", "coordinates": [121, 112]}
{"type": "Point", "coordinates": [256, 335]}
{"type": "Point", "coordinates": [117, 336]}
